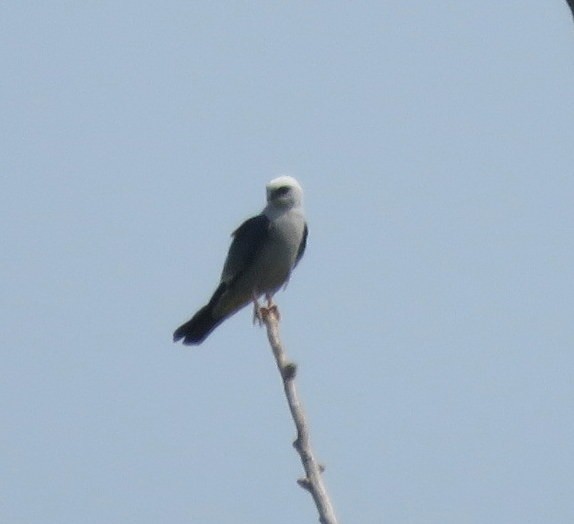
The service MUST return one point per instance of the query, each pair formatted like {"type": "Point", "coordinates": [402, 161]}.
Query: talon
{"type": "Point", "coordinates": [260, 312]}
{"type": "Point", "coordinates": [270, 310]}
{"type": "Point", "coordinates": [275, 309]}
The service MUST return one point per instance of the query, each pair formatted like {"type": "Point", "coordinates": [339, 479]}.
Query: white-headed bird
{"type": "Point", "coordinates": [264, 251]}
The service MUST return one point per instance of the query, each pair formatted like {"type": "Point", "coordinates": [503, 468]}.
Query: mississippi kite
{"type": "Point", "coordinates": [264, 251]}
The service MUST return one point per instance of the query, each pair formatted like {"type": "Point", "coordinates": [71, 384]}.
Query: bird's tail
{"type": "Point", "coordinates": [196, 330]}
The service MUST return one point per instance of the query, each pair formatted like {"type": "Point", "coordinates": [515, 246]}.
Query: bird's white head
{"type": "Point", "coordinates": [284, 192]}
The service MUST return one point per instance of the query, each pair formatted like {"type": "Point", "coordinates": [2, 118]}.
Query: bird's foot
{"type": "Point", "coordinates": [272, 307]}
{"type": "Point", "coordinates": [270, 310]}
{"type": "Point", "coordinates": [260, 313]}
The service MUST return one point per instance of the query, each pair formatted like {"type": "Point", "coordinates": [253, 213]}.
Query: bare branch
{"type": "Point", "coordinates": [313, 482]}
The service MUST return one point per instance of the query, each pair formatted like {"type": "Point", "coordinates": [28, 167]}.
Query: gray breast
{"type": "Point", "coordinates": [279, 254]}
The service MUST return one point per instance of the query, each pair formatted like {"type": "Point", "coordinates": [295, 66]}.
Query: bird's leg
{"type": "Point", "coordinates": [260, 312]}
{"type": "Point", "coordinates": [257, 314]}
{"type": "Point", "coordinates": [269, 299]}
{"type": "Point", "coordinates": [271, 306]}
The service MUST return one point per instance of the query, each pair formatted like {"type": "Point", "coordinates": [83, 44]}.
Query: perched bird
{"type": "Point", "coordinates": [264, 251]}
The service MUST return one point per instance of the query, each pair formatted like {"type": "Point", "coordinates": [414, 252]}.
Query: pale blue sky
{"type": "Point", "coordinates": [431, 318]}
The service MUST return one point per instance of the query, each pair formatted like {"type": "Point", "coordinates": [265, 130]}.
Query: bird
{"type": "Point", "coordinates": [264, 251]}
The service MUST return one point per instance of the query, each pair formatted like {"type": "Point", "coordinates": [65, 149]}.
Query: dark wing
{"type": "Point", "coordinates": [571, 4]}
{"type": "Point", "coordinates": [248, 239]}
{"type": "Point", "coordinates": [302, 245]}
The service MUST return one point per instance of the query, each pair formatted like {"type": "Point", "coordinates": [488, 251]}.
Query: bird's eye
{"type": "Point", "coordinates": [280, 191]}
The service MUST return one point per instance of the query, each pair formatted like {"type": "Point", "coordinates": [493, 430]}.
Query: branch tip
{"type": "Point", "coordinates": [312, 482]}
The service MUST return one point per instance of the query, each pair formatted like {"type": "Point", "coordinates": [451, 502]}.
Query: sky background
{"type": "Point", "coordinates": [432, 315]}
